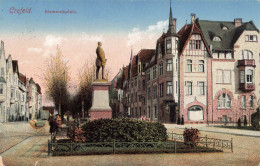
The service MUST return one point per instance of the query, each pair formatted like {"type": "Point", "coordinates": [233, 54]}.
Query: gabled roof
{"type": "Point", "coordinates": [38, 88]}
{"type": "Point", "coordinates": [15, 66]}
{"type": "Point", "coordinates": [31, 81]}
{"type": "Point", "coordinates": [145, 55]}
{"type": "Point", "coordinates": [125, 73]}
{"type": "Point", "coordinates": [185, 34]}
{"type": "Point", "coordinates": [210, 29]}
{"type": "Point", "coordinates": [22, 78]}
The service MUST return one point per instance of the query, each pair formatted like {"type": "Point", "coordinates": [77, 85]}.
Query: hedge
{"type": "Point", "coordinates": [124, 130]}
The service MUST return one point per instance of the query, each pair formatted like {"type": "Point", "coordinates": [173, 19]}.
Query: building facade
{"type": "Point", "coordinates": [207, 72]}
{"type": "Point", "coordinates": [14, 88]}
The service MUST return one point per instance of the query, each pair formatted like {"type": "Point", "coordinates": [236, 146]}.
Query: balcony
{"type": "Point", "coordinates": [246, 86]}
{"type": "Point", "coordinates": [246, 62]}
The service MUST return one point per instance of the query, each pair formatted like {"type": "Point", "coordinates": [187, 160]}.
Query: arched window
{"type": "Point", "coordinates": [189, 65]}
{"type": "Point", "coordinates": [216, 38]}
{"type": "Point", "coordinates": [201, 66]}
{"type": "Point", "coordinates": [195, 113]}
{"type": "Point", "coordinates": [249, 76]}
{"type": "Point", "coordinates": [161, 68]}
{"type": "Point", "coordinates": [224, 101]}
{"type": "Point", "coordinates": [246, 54]}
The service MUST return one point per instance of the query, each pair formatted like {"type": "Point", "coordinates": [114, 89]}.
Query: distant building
{"type": "Point", "coordinates": [14, 91]}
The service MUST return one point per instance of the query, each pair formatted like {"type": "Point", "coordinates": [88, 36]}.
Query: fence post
{"type": "Point", "coordinates": [206, 141]}
{"type": "Point", "coordinates": [222, 144]}
{"type": "Point", "coordinates": [172, 134]}
{"type": "Point", "coordinates": [175, 146]}
{"type": "Point", "coordinates": [114, 146]}
{"type": "Point", "coordinates": [232, 145]}
{"type": "Point", "coordinates": [48, 147]}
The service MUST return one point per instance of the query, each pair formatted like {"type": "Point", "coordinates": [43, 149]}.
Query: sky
{"type": "Point", "coordinates": [31, 38]}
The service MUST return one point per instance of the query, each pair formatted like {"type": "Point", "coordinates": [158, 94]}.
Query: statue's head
{"type": "Point", "coordinates": [99, 43]}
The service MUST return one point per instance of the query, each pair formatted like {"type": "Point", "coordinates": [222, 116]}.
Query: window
{"type": "Point", "coordinates": [189, 65]}
{"type": "Point", "coordinates": [161, 90]}
{"type": "Point", "coordinates": [216, 38]}
{"type": "Point", "coordinates": [169, 65]}
{"type": "Point", "coordinates": [149, 93]}
{"type": "Point", "coordinates": [148, 75]}
{"type": "Point", "coordinates": [227, 76]}
{"type": "Point", "coordinates": [201, 66]}
{"type": "Point", "coordinates": [161, 68]}
{"type": "Point", "coordinates": [195, 45]}
{"type": "Point", "coordinates": [1, 88]}
{"type": "Point", "coordinates": [143, 84]}
{"type": "Point", "coordinates": [246, 54]}
{"type": "Point", "coordinates": [154, 72]}
{"type": "Point", "coordinates": [201, 86]}
{"type": "Point", "coordinates": [251, 101]}
{"type": "Point", "coordinates": [251, 38]}
{"type": "Point", "coordinates": [22, 97]}
{"type": "Point", "coordinates": [249, 76]}
{"type": "Point", "coordinates": [169, 88]}
{"type": "Point", "coordinates": [242, 76]}
{"type": "Point", "coordinates": [168, 46]}
{"type": "Point", "coordinates": [224, 76]}
{"type": "Point", "coordinates": [219, 76]}
{"type": "Point", "coordinates": [155, 112]}
{"type": "Point", "coordinates": [243, 102]}
{"type": "Point", "coordinates": [189, 87]}
{"type": "Point", "coordinates": [12, 94]}
{"type": "Point", "coordinates": [155, 92]}
{"type": "Point", "coordinates": [224, 101]}
{"type": "Point", "coordinates": [176, 65]}
{"type": "Point", "coordinates": [139, 68]}
{"type": "Point", "coordinates": [2, 72]}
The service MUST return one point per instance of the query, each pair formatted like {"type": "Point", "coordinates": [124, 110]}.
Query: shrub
{"type": "Point", "coordinates": [76, 134]}
{"type": "Point", "coordinates": [191, 136]}
{"type": "Point", "coordinates": [255, 119]}
{"type": "Point", "coordinates": [124, 130]}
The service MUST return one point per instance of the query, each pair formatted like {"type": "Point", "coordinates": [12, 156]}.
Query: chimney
{"type": "Point", "coordinates": [238, 22]}
{"type": "Point", "coordinates": [174, 20]}
{"type": "Point", "coordinates": [2, 45]}
{"type": "Point", "coordinates": [192, 16]}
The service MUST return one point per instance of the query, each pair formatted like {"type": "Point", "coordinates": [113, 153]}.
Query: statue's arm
{"type": "Point", "coordinates": [102, 55]}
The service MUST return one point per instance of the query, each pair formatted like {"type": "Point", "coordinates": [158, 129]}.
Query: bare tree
{"type": "Point", "coordinates": [56, 79]}
{"type": "Point", "coordinates": [86, 78]}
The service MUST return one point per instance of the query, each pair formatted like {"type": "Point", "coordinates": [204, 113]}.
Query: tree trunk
{"type": "Point", "coordinates": [83, 111]}
{"type": "Point", "coordinates": [60, 109]}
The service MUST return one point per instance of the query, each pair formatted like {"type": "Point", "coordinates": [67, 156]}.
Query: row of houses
{"type": "Point", "coordinates": [20, 97]}
{"type": "Point", "coordinates": [208, 71]}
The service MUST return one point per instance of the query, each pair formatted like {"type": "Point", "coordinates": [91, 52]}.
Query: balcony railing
{"type": "Point", "coordinates": [246, 62]}
{"type": "Point", "coordinates": [246, 86]}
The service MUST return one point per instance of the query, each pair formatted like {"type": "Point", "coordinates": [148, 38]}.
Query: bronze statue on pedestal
{"type": "Point", "coordinates": [100, 61]}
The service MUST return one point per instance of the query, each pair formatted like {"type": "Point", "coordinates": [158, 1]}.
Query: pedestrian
{"type": "Point", "coordinates": [182, 120]}
{"type": "Point", "coordinates": [58, 122]}
{"type": "Point", "coordinates": [51, 123]}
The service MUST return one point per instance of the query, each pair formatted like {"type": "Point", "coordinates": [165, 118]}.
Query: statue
{"type": "Point", "coordinates": [100, 61]}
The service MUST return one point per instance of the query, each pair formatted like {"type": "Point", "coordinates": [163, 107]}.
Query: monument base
{"type": "Point", "coordinates": [100, 103]}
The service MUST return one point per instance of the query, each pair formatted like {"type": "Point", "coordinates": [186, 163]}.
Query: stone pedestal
{"type": "Point", "coordinates": [100, 103]}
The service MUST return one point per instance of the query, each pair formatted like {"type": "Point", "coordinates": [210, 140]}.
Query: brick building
{"type": "Point", "coordinates": [206, 72]}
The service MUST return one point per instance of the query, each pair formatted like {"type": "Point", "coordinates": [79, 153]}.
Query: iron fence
{"type": "Point", "coordinates": [207, 142]}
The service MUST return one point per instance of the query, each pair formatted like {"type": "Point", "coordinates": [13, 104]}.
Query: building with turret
{"type": "Point", "coordinates": [206, 72]}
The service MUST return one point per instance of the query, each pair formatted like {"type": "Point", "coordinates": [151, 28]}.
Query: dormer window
{"type": "Point", "coordinates": [216, 38]}
{"type": "Point", "coordinates": [224, 28]}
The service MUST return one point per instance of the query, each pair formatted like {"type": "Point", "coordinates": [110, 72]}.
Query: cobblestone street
{"type": "Point", "coordinates": [27, 147]}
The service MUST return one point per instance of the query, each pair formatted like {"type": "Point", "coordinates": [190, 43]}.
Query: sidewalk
{"type": "Point", "coordinates": [204, 127]}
